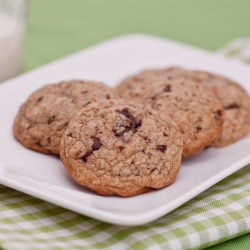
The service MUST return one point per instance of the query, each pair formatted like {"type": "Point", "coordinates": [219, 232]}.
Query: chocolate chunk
{"type": "Point", "coordinates": [121, 148]}
{"type": "Point", "coordinates": [167, 88]}
{"type": "Point", "coordinates": [84, 158]}
{"type": "Point", "coordinates": [198, 128]}
{"type": "Point", "coordinates": [96, 145]}
{"type": "Point", "coordinates": [51, 119]}
{"type": "Point", "coordinates": [135, 124]}
{"type": "Point", "coordinates": [40, 99]}
{"type": "Point", "coordinates": [218, 115]}
{"type": "Point", "coordinates": [232, 106]}
{"type": "Point", "coordinates": [161, 148]}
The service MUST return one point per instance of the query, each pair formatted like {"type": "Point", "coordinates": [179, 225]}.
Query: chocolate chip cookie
{"type": "Point", "coordinates": [121, 147]}
{"type": "Point", "coordinates": [235, 101]}
{"type": "Point", "coordinates": [194, 107]}
{"type": "Point", "coordinates": [43, 118]}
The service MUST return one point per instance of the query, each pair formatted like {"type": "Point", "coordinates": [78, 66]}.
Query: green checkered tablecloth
{"type": "Point", "coordinates": [220, 213]}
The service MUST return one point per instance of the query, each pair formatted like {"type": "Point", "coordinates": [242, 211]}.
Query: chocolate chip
{"type": "Point", "coordinates": [51, 119]}
{"type": "Point", "coordinates": [138, 125]}
{"type": "Point", "coordinates": [108, 97]}
{"type": "Point", "coordinates": [232, 106]}
{"type": "Point", "coordinates": [218, 115]}
{"type": "Point", "coordinates": [121, 148]}
{"type": "Point", "coordinates": [167, 88]}
{"type": "Point", "coordinates": [40, 99]}
{"type": "Point", "coordinates": [96, 144]}
{"type": "Point", "coordinates": [135, 124]}
{"type": "Point", "coordinates": [198, 128]}
{"type": "Point", "coordinates": [84, 158]}
{"type": "Point", "coordinates": [161, 148]}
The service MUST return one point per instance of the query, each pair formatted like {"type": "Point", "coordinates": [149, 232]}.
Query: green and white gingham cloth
{"type": "Point", "coordinates": [220, 213]}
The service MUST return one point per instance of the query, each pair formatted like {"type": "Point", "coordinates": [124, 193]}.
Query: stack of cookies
{"type": "Point", "coordinates": [130, 140]}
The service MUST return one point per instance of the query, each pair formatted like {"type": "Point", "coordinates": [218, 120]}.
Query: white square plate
{"type": "Point", "coordinates": [44, 176]}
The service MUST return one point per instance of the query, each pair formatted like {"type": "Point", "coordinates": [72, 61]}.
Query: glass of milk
{"type": "Point", "coordinates": [12, 30]}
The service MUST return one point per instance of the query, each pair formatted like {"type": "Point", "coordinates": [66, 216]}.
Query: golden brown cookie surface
{"type": "Point", "coordinates": [44, 116]}
{"type": "Point", "coordinates": [121, 147]}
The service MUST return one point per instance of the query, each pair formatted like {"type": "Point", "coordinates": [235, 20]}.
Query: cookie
{"type": "Point", "coordinates": [131, 87]}
{"type": "Point", "coordinates": [118, 147]}
{"type": "Point", "coordinates": [197, 111]}
{"type": "Point", "coordinates": [235, 101]}
{"type": "Point", "coordinates": [43, 118]}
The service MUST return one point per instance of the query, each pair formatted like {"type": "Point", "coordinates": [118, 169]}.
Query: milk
{"type": "Point", "coordinates": [11, 46]}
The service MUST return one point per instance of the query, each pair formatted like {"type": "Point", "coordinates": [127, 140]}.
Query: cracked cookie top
{"type": "Point", "coordinates": [42, 119]}
{"type": "Point", "coordinates": [121, 147]}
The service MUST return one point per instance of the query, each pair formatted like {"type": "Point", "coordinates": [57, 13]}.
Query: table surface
{"type": "Point", "coordinates": [59, 27]}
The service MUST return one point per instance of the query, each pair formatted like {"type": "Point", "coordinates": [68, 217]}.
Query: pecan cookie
{"type": "Point", "coordinates": [121, 147]}
{"type": "Point", "coordinates": [42, 119]}
{"type": "Point", "coordinates": [235, 101]}
{"type": "Point", "coordinates": [194, 107]}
